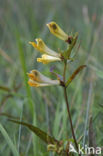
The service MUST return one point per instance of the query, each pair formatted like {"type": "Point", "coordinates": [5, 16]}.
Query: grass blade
{"type": "Point", "coordinates": [9, 141]}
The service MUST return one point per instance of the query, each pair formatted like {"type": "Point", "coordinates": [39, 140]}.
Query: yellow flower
{"type": "Point", "coordinates": [49, 55]}
{"type": "Point", "coordinates": [36, 79]}
{"type": "Point", "coordinates": [57, 31]}
{"type": "Point", "coordinates": [40, 46]}
{"type": "Point", "coordinates": [47, 59]}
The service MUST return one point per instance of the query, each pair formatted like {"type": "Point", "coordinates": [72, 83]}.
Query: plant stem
{"type": "Point", "coordinates": [67, 104]}
{"type": "Point", "coordinates": [68, 109]}
{"type": "Point", "coordinates": [64, 72]}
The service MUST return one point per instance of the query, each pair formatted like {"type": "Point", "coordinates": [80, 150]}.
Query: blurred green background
{"type": "Point", "coordinates": [23, 21]}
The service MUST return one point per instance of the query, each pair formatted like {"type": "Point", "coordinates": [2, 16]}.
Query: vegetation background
{"type": "Point", "coordinates": [23, 21]}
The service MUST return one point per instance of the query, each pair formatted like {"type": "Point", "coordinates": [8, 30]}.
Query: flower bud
{"type": "Point", "coordinates": [57, 31]}
{"type": "Point", "coordinates": [45, 59]}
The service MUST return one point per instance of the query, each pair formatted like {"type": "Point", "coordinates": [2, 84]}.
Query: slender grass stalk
{"type": "Point", "coordinates": [87, 113]}
{"type": "Point", "coordinates": [28, 91]}
{"type": "Point", "coordinates": [9, 141]}
{"type": "Point", "coordinates": [19, 136]}
{"type": "Point", "coordinates": [23, 65]}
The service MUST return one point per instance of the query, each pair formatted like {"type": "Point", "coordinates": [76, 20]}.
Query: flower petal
{"type": "Point", "coordinates": [45, 59]}
{"type": "Point", "coordinates": [33, 83]}
{"type": "Point", "coordinates": [36, 84]}
{"type": "Point", "coordinates": [57, 31]}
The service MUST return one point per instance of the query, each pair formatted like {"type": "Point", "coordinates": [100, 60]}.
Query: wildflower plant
{"type": "Point", "coordinates": [37, 79]}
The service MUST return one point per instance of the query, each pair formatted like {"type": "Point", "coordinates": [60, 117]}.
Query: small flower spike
{"type": "Point", "coordinates": [36, 79]}
{"type": "Point", "coordinates": [40, 46]}
{"type": "Point", "coordinates": [45, 59]}
{"type": "Point", "coordinates": [57, 31]}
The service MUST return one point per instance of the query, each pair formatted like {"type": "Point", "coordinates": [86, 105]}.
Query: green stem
{"type": "Point", "coordinates": [65, 65]}
{"type": "Point", "coordinates": [68, 109]}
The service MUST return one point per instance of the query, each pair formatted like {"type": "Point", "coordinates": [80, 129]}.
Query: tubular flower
{"type": "Point", "coordinates": [40, 46]}
{"type": "Point", "coordinates": [36, 79]}
{"type": "Point", "coordinates": [47, 59]}
{"type": "Point", "coordinates": [57, 31]}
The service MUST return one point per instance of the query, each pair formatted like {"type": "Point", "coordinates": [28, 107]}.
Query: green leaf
{"type": "Point", "coordinates": [41, 134]}
{"type": "Point", "coordinates": [74, 74]}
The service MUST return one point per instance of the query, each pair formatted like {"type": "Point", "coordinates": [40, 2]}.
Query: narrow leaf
{"type": "Point", "coordinates": [74, 74]}
{"type": "Point", "coordinates": [9, 141]}
{"type": "Point", "coordinates": [92, 140]}
{"type": "Point", "coordinates": [4, 88]}
{"type": "Point", "coordinates": [9, 116]}
{"type": "Point", "coordinates": [41, 134]}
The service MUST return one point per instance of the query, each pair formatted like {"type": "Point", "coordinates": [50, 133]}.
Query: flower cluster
{"type": "Point", "coordinates": [36, 79]}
